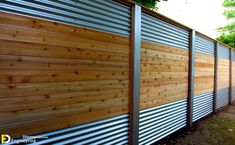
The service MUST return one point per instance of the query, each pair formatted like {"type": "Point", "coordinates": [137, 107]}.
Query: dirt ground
{"type": "Point", "coordinates": [218, 129]}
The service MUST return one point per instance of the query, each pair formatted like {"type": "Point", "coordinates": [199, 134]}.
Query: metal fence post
{"type": "Point", "coordinates": [191, 79]}
{"type": "Point", "coordinates": [215, 78]}
{"type": "Point", "coordinates": [230, 75]}
{"type": "Point", "coordinates": [136, 44]}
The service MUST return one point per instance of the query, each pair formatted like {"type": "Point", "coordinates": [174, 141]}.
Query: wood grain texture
{"type": "Point", "coordinates": [204, 74]}
{"type": "Point", "coordinates": [223, 73]}
{"type": "Point", "coordinates": [233, 81]}
{"type": "Point", "coordinates": [54, 75]}
{"type": "Point", "coordinates": [164, 74]}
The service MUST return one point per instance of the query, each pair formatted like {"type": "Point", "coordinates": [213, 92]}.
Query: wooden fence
{"type": "Point", "coordinates": [66, 80]}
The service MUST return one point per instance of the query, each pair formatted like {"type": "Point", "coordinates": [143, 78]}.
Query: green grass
{"type": "Point", "coordinates": [218, 130]}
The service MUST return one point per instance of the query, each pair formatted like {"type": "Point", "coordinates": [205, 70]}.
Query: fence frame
{"type": "Point", "coordinates": [136, 50]}
{"type": "Point", "coordinates": [215, 78]}
{"type": "Point", "coordinates": [135, 68]}
{"type": "Point", "coordinates": [191, 78]}
{"type": "Point", "coordinates": [230, 76]}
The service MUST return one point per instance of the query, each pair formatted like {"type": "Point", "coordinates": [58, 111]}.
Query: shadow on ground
{"type": "Point", "coordinates": [216, 129]}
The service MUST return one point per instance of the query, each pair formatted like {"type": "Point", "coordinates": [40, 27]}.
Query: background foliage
{"type": "Point", "coordinates": [148, 3]}
{"type": "Point", "coordinates": [228, 31]}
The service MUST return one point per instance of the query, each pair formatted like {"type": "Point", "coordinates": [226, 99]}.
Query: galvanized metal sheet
{"type": "Point", "coordinates": [136, 50]}
{"type": "Point", "coordinates": [202, 105]}
{"type": "Point", "coordinates": [222, 98]}
{"type": "Point", "coordinates": [158, 122]}
{"type": "Point", "coordinates": [159, 31]}
{"type": "Point", "coordinates": [191, 79]}
{"type": "Point", "coordinates": [230, 75]}
{"type": "Point", "coordinates": [113, 130]}
{"type": "Point", "coordinates": [233, 93]}
{"type": "Point", "coordinates": [104, 15]}
{"type": "Point", "coordinates": [204, 45]}
{"type": "Point", "coordinates": [233, 73]}
{"type": "Point", "coordinates": [223, 52]}
{"type": "Point", "coordinates": [233, 55]}
{"type": "Point", "coordinates": [215, 77]}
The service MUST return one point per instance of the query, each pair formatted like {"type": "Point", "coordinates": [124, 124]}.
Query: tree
{"type": "Point", "coordinates": [228, 39]}
{"type": "Point", "coordinates": [228, 31]}
{"type": "Point", "coordinates": [148, 3]}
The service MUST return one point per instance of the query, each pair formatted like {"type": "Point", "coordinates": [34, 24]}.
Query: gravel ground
{"type": "Point", "coordinates": [218, 129]}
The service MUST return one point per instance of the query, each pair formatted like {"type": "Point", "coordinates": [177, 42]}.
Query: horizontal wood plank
{"type": "Point", "coordinates": [223, 73]}
{"type": "Point", "coordinates": [51, 72]}
{"type": "Point", "coordinates": [204, 74]}
{"type": "Point", "coordinates": [164, 74]}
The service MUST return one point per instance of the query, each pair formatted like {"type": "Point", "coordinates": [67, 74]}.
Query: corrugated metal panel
{"type": "Point", "coordinates": [104, 15]}
{"type": "Point", "coordinates": [113, 130]}
{"type": "Point", "coordinates": [223, 52]}
{"type": "Point", "coordinates": [202, 105]}
{"type": "Point", "coordinates": [233, 93]}
{"type": "Point", "coordinates": [233, 55]}
{"type": "Point", "coordinates": [222, 98]}
{"type": "Point", "coordinates": [158, 122]}
{"type": "Point", "coordinates": [233, 88]}
{"type": "Point", "coordinates": [159, 31]}
{"type": "Point", "coordinates": [204, 45]}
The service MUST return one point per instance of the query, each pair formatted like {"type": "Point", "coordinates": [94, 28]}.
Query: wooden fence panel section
{"type": "Point", "coordinates": [233, 78]}
{"type": "Point", "coordinates": [54, 75]}
{"type": "Point", "coordinates": [204, 74]}
{"type": "Point", "coordinates": [223, 73]}
{"type": "Point", "coordinates": [164, 74]}
{"type": "Point", "coordinates": [233, 70]}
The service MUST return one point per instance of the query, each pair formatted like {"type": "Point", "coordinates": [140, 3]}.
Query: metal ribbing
{"type": "Point", "coordinates": [233, 93]}
{"type": "Point", "coordinates": [113, 130]}
{"type": "Point", "coordinates": [158, 122]}
{"type": "Point", "coordinates": [223, 52]}
{"type": "Point", "coordinates": [204, 45]}
{"type": "Point", "coordinates": [230, 76]}
{"type": "Point", "coordinates": [159, 31]}
{"type": "Point", "coordinates": [222, 98]}
{"type": "Point", "coordinates": [104, 15]}
{"type": "Point", "coordinates": [202, 105]}
{"type": "Point", "coordinates": [233, 84]}
{"type": "Point", "coordinates": [233, 55]}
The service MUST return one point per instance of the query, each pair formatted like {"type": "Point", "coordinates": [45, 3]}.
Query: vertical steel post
{"type": "Point", "coordinates": [215, 78]}
{"type": "Point", "coordinates": [191, 79]}
{"type": "Point", "coordinates": [230, 75]}
{"type": "Point", "coordinates": [136, 41]}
